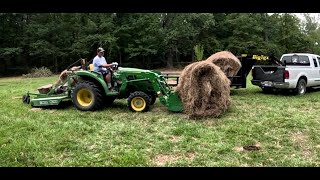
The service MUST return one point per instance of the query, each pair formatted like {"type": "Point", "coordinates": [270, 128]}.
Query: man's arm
{"type": "Point", "coordinates": [106, 65]}
{"type": "Point", "coordinates": [99, 63]}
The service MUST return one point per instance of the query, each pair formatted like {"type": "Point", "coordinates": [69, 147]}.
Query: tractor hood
{"type": "Point", "coordinates": [131, 70]}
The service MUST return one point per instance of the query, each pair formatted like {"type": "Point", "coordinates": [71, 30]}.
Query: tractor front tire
{"type": "Point", "coordinates": [139, 101]}
{"type": "Point", "coordinates": [87, 96]}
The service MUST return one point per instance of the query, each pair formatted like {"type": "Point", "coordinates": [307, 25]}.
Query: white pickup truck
{"type": "Point", "coordinates": [297, 72]}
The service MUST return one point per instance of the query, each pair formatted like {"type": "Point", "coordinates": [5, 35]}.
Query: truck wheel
{"type": "Point", "coordinates": [87, 96]}
{"type": "Point", "coordinates": [301, 87]}
{"type": "Point", "coordinates": [139, 101]}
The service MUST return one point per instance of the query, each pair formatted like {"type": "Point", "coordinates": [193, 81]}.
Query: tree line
{"type": "Point", "coordinates": [146, 40]}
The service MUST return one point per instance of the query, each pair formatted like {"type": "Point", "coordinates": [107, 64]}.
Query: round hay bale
{"type": "Point", "coordinates": [185, 76]}
{"type": "Point", "coordinates": [204, 90]}
{"type": "Point", "coordinates": [228, 62]}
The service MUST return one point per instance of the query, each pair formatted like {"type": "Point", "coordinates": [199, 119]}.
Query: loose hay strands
{"type": "Point", "coordinates": [204, 90]}
{"type": "Point", "coordinates": [64, 74]}
{"type": "Point", "coordinates": [185, 76]}
{"type": "Point", "coordinates": [228, 63]}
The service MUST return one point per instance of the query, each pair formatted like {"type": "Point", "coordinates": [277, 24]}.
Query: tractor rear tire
{"type": "Point", "coordinates": [139, 101]}
{"type": "Point", "coordinates": [87, 96]}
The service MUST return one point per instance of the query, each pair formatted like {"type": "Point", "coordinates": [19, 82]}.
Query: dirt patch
{"type": "Point", "coordinates": [190, 156]}
{"type": "Point", "coordinates": [35, 109]}
{"type": "Point", "coordinates": [158, 109]}
{"type": "Point", "coordinates": [162, 160]}
{"type": "Point", "coordinates": [175, 138]}
{"type": "Point", "coordinates": [300, 140]}
{"type": "Point", "coordinates": [238, 149]}
{"type": "Point", "coordinates": [253, 147]}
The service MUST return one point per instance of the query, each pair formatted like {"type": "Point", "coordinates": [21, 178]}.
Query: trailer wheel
{"type": "Point", "coordinates": [301, 87]}
{"type": "Point", "coordinates": [139, 101]}
{"type": "Point", "coordinates": [87, 96]}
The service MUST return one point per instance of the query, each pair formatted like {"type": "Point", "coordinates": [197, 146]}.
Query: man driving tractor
{"type": "Point", "coordinates": [100, 65]}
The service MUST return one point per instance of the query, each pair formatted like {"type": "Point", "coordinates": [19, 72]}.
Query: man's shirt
{"type": "Point", "coordinates": [97, 62]}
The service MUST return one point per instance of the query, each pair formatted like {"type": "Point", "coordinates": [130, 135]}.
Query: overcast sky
{"type": "Point", "coordinates": [300, 16]}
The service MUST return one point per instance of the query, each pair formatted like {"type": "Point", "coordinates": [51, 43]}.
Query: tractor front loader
{"type": "Point", "coordinates": [88, 90]}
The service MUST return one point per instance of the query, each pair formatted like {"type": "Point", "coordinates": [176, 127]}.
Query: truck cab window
{"type": "Point", "coordinates": [315, 62]}
{"type": "Point", "coordinates": [304, 60]}
{"type": "Point", "coordinates": [296, 60]}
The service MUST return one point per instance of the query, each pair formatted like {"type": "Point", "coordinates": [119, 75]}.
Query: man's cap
{"type": "Point", "coordinates": [100, 49]}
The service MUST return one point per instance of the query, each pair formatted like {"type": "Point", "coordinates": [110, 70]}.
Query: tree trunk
{"type": "Point", "coordinates": [3, 67]}
{"type": "Point", "coordinates": [143, 63]}
{"type": "Point", "coordinates": [56, 64]}
{"type": "Point", "coordinates": [169, 59]}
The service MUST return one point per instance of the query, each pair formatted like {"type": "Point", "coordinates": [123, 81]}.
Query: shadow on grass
{"type": "Point", "coordinates": [284, 92]}
{"type": "Point", "coordinates": [116, 105]}
{"type": "Point", "coordinates": [243, 92]}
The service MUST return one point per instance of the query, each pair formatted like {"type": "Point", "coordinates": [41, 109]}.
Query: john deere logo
{"type": "Point", "coordinates": [53, 101]}
{"type": "Point", "coordinates": [44, 102]}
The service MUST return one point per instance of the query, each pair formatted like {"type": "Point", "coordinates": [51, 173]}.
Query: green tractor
{"type": "Point", "coordinates": [88, 90]}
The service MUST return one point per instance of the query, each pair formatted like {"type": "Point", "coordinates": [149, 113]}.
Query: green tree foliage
{"type": "Point", "coordinates": [311, 29]}
{"type": "Point", "coordinates": [149, 40]}
{"type": "Point", "coordinates": [198, 51]}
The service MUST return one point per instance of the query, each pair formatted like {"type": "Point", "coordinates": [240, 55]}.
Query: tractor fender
{"type": "Point", "coordinates": [95, 77]}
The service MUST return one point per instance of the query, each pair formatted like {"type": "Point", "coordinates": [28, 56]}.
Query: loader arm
{"type": "Point", "coordinates": [166, 95]}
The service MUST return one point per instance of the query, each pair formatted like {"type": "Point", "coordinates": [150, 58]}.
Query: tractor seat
{"type": "Point", "coordinates": [90, 67]}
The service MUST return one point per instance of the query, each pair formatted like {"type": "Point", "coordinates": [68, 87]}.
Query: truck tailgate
{"type": "Point", "coordinates": [268, 73]}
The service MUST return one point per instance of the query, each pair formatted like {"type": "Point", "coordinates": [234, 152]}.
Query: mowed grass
{"type": "Point", "coordinates": [286, 128]}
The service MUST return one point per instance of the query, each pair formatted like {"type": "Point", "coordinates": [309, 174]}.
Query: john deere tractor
{"type": "Point", "coordinates": [88, 90]}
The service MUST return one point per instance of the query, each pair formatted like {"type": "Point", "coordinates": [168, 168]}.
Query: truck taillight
{"type": "Point", "coordinates": [286, 74]}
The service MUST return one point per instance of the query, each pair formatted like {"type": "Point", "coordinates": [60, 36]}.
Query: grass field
{"type": "Point", "coordinates": [286, 128]}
